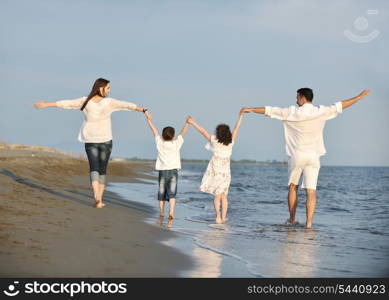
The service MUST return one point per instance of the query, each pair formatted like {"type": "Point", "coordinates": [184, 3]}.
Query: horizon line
{"type": "Point", "coordinates": [273, 161]}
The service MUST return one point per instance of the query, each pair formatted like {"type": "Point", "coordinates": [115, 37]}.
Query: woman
{"type": "Point", "coordinates": [217, 177]}
{"type": "Point", "coordinates": [96, 130]}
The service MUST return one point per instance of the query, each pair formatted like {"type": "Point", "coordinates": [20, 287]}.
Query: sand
{"type": "Point", "coordinates": [49, 227]}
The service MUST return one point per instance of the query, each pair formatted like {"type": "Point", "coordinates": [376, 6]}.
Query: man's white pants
{"type": "Point", "coordinates": [306, 163]}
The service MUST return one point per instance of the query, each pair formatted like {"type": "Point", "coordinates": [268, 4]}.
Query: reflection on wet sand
{"type": "Point", "coordinates": [209, 262]}
{"type": "Point", "coordinates": [298, 255]}
{"type": "Point", "coordinates": [160, 221]}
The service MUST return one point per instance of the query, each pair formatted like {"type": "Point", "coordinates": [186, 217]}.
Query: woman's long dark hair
{"type": "Point", "coordinates": [223, 134]}
{"type": "Point", "coordinates": [99, 83]}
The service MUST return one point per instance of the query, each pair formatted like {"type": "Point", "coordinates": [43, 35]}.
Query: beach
{"type": "Point", "coordinates": [50, 228]}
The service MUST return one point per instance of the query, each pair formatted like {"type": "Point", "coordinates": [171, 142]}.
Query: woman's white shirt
{"type": "Point", "coordinates": [97, 127]}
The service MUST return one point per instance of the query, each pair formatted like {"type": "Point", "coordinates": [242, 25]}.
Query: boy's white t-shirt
{"type": "Point", "coordinates": [168, 153]}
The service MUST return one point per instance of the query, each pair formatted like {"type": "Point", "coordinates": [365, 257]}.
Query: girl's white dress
{"type": "Point", "coordinates": [217, 177]}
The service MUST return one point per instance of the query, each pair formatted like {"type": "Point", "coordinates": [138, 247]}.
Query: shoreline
{"type": "Point", "coordinates": [49, 227]}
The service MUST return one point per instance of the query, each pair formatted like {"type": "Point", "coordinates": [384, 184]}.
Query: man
{"type": "Point", "coordinates": [303, 128]}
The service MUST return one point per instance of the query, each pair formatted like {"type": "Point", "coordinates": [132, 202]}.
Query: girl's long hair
{"type": "Point", "coordinates": [99, 83]}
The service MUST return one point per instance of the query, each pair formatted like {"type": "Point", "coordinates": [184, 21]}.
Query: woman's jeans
{"type": "Point", "coordinates": [98, 157]}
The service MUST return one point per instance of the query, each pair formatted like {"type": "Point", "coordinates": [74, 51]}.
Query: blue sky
{"type": "Point", "coordinates": [204, 58]}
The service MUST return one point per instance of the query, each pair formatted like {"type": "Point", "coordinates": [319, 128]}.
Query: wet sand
{"type": "Point", "coordinates": [49, 227]}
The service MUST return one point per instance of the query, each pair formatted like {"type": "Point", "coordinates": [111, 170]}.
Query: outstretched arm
{"type": "Point", "coordinates": [347, 103]}
{"type": "Point", "coordinates": [65, 104]}
{"type": "Point", "coordinates": [257, 110]}
{"type": "Point", "coordinates": [272, 112]}
{"type": "Point", "coordinates": [185, 128]}
{"type": "Point", "coordinates": [151, 124]}
{"type": "Point", "coordinates": [125, 105]}
{"type": "Point", "coordinates": [43, 104]}
{"type": "Point", "coordinates": [237, 126]}
{"type": "Point", "coordinates": [199, 128]}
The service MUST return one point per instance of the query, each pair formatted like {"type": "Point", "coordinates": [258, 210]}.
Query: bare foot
{"type": "Point", "coordinates": [218, 220]}
{"type": "Point", "coordinates": [171, 217]}
{"type": "Point", "coordinates": [291, 222]}
{"type": "Point", "coordinates": [161, 216]}
{"type": "Point", "coordinates": [308, 226]}
{"type": "Point", "coordinates": [99, 205]}
{"type": "Point", "coordinates": [224, 221]}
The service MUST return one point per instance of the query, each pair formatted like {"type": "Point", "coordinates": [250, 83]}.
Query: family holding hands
{"type": "Point", "coordinates": [303, 127]}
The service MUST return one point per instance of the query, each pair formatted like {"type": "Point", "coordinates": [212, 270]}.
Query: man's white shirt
{"type": "Point", "coordinates": [303, 126]}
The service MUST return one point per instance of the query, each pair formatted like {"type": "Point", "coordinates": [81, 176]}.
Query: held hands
{"type": "Point", "coordinates": [189, 120]}
{"type": "Point", "coordinates": [244, 110]}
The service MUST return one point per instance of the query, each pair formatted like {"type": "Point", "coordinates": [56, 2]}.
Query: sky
{"type": "Point", "coordinates": [201, 58]}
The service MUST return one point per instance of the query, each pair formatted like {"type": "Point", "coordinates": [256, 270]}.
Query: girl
{"type": "Point", "coordinates": [96, 130]}
{"type": "Point", "coordinates": [217, 177]}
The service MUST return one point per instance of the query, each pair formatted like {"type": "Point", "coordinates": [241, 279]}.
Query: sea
{"type": "Point", "coordinates": [349, 238]}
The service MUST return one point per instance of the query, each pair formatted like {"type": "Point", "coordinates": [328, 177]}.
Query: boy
{"type": "Point", "coordinates": [168, 163]}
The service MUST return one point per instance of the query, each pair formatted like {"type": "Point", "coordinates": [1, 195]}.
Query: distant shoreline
{"type": "Point", "coordinates": [242, 162]}
{"type": "Point", "coordinates": [205, 161]}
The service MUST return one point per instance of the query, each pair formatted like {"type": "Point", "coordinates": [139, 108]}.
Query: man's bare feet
{"type": "Point", "coordinates": [99, 204]}
{"type": "Point", "coordinates": [291, 222]}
